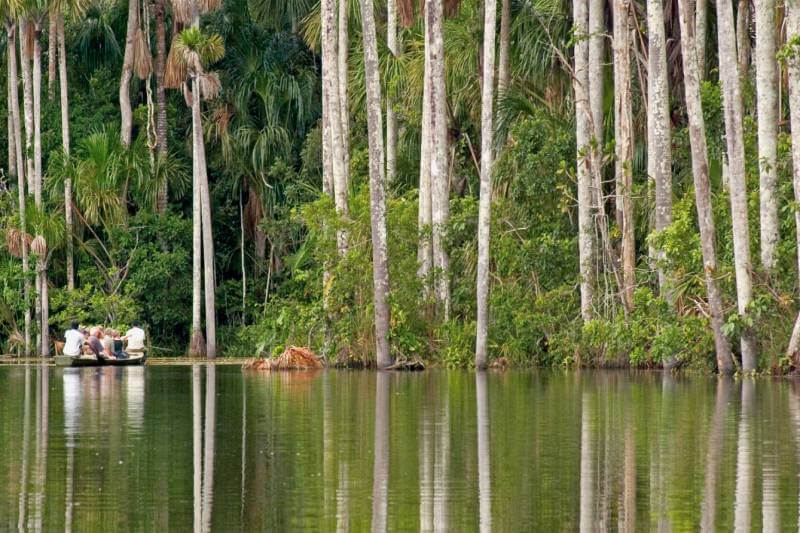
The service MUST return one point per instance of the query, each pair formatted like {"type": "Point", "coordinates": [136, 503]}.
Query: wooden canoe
{"type": "Point", "coordinates": [91, 360]}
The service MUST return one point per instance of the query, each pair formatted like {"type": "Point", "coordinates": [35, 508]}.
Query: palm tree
{"type": "Point", "coordinates": [485, 209]}
{"type": "Point", "coordinates": [792, 58]}
{"type": "Point", "coordinates": [126, 114]}
{"type": "Point", "coordinates": [377, 184]}
{"type": "Point", "coordinates": [161, 100]}
{"type": "Point", "coordinates": [391, 117]}
{"type": "Point", "coordinates": [196, 51]}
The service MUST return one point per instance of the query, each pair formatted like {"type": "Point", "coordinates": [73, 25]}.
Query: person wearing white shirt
{"type": "Point", "coordinates": [135, 338]}
{"type": "Point", "coordinates": [73, 340]}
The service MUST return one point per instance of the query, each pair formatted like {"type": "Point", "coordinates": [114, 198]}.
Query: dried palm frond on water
{"type": "Point", "coordinates": [293, 358]}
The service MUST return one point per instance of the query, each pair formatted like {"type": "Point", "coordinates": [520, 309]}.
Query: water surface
{"type": "Point", "coordinates": [215, 448]}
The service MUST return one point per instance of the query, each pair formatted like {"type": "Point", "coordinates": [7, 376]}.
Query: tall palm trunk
{"type": "Point", "coordinates": [767, 104]}
{"type": "Point", "coordinates": [52, 46]}
{"type": "Point", "coordinates": [63, 88]}
{"type": "Point", "coordinates": [126, 114]}
{"type": "Point", "coordinates": [25, 27]}
{"type": "Point", "coordinates": [391, 118]}
{"type": "Point", "coordinates": [580, 85]}
{"type": "Point", "coordinates": [197, 342]}
{"type": "Point", "coordinates": [11, 31]}
{"type": "Point", "coordinates": [503, 72]}
{"type": "Point", "coordinates": [37, 110]}
{"type": "Point", "coordinates": [623, 133]}
{"type": "Point", "coordinates": [485, 208]}
{"type": "Point", "coordinates": [12, 146]}
{"type": "Point", "coordinates": [659, 144]}
{"type": "Point", "coordinates": [732, 108]}
{"type": "Point", "coordinates": [425, 214]}
{"type": "Point", "coordinates": [25, 266]}
{"type": "Point", "coordinates": [330, 77]}
{"type": "Point", "coordinates": [702, 187]}
{"type": "Point", "coordinates": [742, 36]}
{"type": "Point", "coordinates": [701, 31]}
{"type": "Point", "coordinates": [344, 47]}
{"type": "Point", "coordinates": [793, 68]}
{"type": "Point", "coordinates": [161, 99]}
{"type": "Point", "coordinates": [440, 182]}
{"type": "Point", "coordinates": [377, 184]}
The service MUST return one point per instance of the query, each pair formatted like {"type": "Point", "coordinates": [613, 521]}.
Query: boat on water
{"type": "Point", "coordinates": [91, 360]}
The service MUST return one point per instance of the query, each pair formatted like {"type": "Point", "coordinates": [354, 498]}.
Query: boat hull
{"type": "Point", "coordinates": [66, 360]}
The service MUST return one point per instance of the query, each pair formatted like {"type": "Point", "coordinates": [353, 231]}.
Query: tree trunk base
{"type": "Point", "coordinates": [197, 345]}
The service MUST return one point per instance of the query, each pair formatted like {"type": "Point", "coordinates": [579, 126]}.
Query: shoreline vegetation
{"type": "Point", "coordinates": [466, 183]}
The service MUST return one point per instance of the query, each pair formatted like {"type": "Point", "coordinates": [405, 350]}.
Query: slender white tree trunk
{"type": "Point", "coordinates": [597, 37]}
{"type": "Point", "coordinates": [23, 230]}
{"type": "Point", "coordinates": [27, 99]}
{"type": "Point", "coordinates": [64, 93]}
{"type": "Point", "coordinates": [11, 30]}
{"type": "Point", "coordinates": [377, 183]}
{"type": "Point", "coordinates": [197, 343]}
{"type": "Point", "coordinates": [580, 85]}
{"type": "Point", "coordinates": [330, 78]}
{"type": "Point", "coordinates": [391, 117]}
{"type": "Point", "coordinates": [767, 105]}
{"type": "Point", "coordinates": [440, 182]}
{"type": "Point", "coordinates": [503, 71]}
{"type": "Point", "coordinates": [485, 207]}
{"type": "Point", "coordinates": [126, 115]}
{"type": "Point", "coordinates": [12, 147]}
{"type": "Point", "coordinates": [52, 54]}
{"type": "Point", "coordinates": [659, 142]}
{"type": "Point", "coordinates": [425, 215]}
{"type": "Point", "coordinates": [344, 100]}
{"type": "Point", "coordinates": [793, 70]}
{"type": "Point", "coordinates": [732, 107]}
{"type": "Point", "coordinates": [623, 133]}
{"type": "Point", "coordinates": [701, 32]}
{"type": "Point", "coordinates": [743, 36]}
{"type": "Point", "coordinates": [37, 111]}
{"type": "Point", "coordinates": [702, 187]}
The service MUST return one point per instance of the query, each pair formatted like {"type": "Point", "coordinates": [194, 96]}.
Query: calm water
{"type": "Point", "coordinates": [184, 448]}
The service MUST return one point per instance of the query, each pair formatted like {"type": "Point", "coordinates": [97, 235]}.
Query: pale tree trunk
{"type": "Point", "coordinates": [767, 105]}
{"type": "Point", "coordinates": [391, 118]}
{"type": "Point", "coordinates": [377, 184]}
{"type": "Point", "coordinates": [27, 99]}
{"type": "Point", "coordinates": [701, 35]}
{"type": "Point", "coordinates": [52, 44]}
{"type": "Point", "coordinates": [742, 36]}
{"type": "Point", "coordinates": [12, 147]}
{"type": "Point", "coordinates": [161, 99]}
{"type": "Point", "coordinates": [126, 114]}
{"type": "Point", "coordinates": [343, 75]}
{"type": "Point", "coordinates": [485, 207]}
{"type": "Point", "coordinates": [732, 107]}
{"type": "Point", "coordinates": [503, 72]}
{"type": "Point", "coordinates": [623, 133]}
{"type": "Point", "coordinates": [580, 85]}
{"type": "Point", "coordinates": [705, 215]}
{"type": "Point", "coordinates": [11, 30]}
{"type": "Point", "coordinates": [63, 89]}
{"type": "Point", "coordinates": [197, 343]}
{"type": "Point", "coordinates": [37, 111]}
{"type": "Point", "coordinates": [44, 349]}
{"type": "Point", "coordinates": [440, 183]}
{"type": "Point", "coordinates": [327, 189]}
{"type": "Point", "coordinates": [793, 70]}
{"type": "Point", "coordinates": [425, 215]}
{"type": "Point", "coordinates": [330, 79]}
{"type": "Point", "coordinates": [25, 266]}
{"type": "Point", "coordinates": [659, 143]}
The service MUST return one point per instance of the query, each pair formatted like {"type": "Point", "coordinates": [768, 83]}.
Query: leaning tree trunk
{"type": "Point", "coordinates": [503, 72]}
{"type": "Point", "coordinates": [377, 184]}
{"type": "Point", "coordinates": [580, 85]}
{"type": "Point", "coordinates": [63, 86]}
{"type": "Point", "coordinates": [701, 31]}
{"type": "Point", "coordinates": [391, 118]}
{"type": "Point", "coordinates": [330, 78]}
{"type": "Point", "coordinates": [623, 133]}
{"type": "Point", "coordinates": [52, 44]}
{"type": "Point", "coordinates": [27, 99]}
{"type": "Point", "coordinates": [659, 143]}
{"type": "Point", "coordinates": [732, 108]}
{"type": "Point", "coordinates": [705, 215]}
{"type": "Point", "coordinates": [440, 183]}
{"type": "Point", "coordinates": [161, 99]}
{"type": "Point", "coordinates": [793, 68]}
{"type": "Point", "coordinates": [767, 105]}
{"type": "Point", "coordinates": [485, 207]}
{"type": "Point", "coordinates": [126, 114]}
{"type": "Point", "coordinates": [742, 36]}
{"type": "Point", "coordinates": [425, 214]}
{"type": "Point", "coordinates": [343, 75]}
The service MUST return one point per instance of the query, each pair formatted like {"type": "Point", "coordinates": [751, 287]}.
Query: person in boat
{"type": "Point", "coordinates": [108, 342]}
{"type": "Point", "coordinates": [73, 340]}
{"type": "Point", "coordinates": [95, 343]}
{"type": "Point", "coordinates": [114, 344]}
{"type": "Point", "coordinates": [135, 338]}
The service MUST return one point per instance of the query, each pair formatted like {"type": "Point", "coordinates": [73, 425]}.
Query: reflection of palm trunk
{"type": "Point", "coordinates": [425, 472]}
{"type": "Point", "coordinates": [629, 480]}
{"type": "Point", "coordinates": [744, 462]}
{"type": "Point", "coordinates": [72, 396]}
{"type": "Point", "coordinates": [244, 451]}
{"type": "Point", "coordinates": [380, 472]}
{"type": "Point", "coordinates": [197, 440]}
{"type": "Point", "coordinates": [441, 469]}
{"type": "Point", "coordinates": [208, 452]}
{"type": "Point", "coordinates": [484, 465]}
{"type": "Point", "coordinates": [42, 408]}
{"type": "Point", "coordinates": [715, 442]}
{"type": "Point", "coordinates": [794, 412]}
{"type": "Point", "coordinates": [26, 437]}
{"type": "Point", "coordinates": [343, 500]}
{"type": "Point", "coordinates": [587, 466]}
